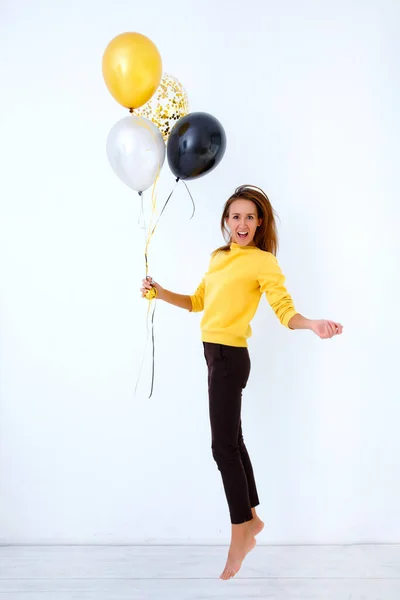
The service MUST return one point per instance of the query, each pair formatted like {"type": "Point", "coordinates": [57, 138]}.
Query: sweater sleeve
{"type": "Point", "coordinates": [272, 282]}
{"type": "Point", "coordinates": [198, 297]}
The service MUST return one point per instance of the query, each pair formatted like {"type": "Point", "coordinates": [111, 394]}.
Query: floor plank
{"type": "Point", "coordinates": [179, 589]}
{"type": "Point", "coordinates": [366, 572]}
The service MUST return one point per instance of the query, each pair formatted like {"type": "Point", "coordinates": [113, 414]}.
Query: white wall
{"type": "Point", "coordinates": [308, 92]}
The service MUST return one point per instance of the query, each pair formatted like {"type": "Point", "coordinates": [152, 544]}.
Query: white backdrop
{"type": "Point", "coordinates": [308, 93]}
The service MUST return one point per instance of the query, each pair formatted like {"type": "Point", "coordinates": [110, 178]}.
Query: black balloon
{"type": "Point", "coordinates": [196, 145]}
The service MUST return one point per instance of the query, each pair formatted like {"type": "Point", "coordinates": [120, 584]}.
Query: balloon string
{"type": "Point", "coordinates": [153, 212]}
{"type": "Point", "coordinates": [153, 351]}
{"type": "Point", "coordinates": [151, 312]}
{"type": "Point", "coordinates": [150, 319]}
{"type": "Point", "coordinates": [151, 309]}
{"type": "Point", "coordinates": [152, 300]}
{"type": "Point", "coordinates": [164, 207]}
{"type": "Point", "coordinates": [142, 217]}
{"type": "Point", "coordinates": [152, 304]}
{"type": "Point", "coordinates": [191, 197]}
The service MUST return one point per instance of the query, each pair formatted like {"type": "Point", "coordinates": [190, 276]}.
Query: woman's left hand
{"type": "Point", "coordinates": [326, 329]}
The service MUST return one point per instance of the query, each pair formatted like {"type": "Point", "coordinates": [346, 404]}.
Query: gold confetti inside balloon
{"type": "Point", "coordinates": [168, 104]}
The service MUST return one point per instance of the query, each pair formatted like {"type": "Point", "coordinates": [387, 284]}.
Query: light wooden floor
{"type": "Point", "coordinates": [191, 573]}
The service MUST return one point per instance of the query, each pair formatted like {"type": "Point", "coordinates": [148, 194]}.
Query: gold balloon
{"type": "Point", "coordinates": [132, 69]}
{"type": "Point", "coordinates": [167, 106]}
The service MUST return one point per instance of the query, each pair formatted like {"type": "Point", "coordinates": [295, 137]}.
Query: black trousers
{"type": "Point", "coordinates": [228, 372]}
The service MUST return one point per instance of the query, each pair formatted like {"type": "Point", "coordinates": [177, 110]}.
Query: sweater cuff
{"type": "Point", "coordinates": [196, 305]}
{"type": "Point", "coordinates": [287, 316]}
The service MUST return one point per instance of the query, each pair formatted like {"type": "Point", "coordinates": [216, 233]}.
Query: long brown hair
{"type": "Point", "coordinates": [266, 236]}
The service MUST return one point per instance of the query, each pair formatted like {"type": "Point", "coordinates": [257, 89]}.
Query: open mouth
{"type": "Point", "coordinates": [242, 235]}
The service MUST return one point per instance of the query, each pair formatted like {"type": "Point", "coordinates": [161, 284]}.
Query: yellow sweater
{"type": "Point", "coordinates": [230, 292]}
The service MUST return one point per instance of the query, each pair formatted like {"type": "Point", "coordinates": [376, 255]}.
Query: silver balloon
{"type": "Point", "coordinates": [136, 151]}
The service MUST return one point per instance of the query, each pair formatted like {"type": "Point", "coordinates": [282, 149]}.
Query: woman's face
{"type": "Point", "coordinates": [243, 222]}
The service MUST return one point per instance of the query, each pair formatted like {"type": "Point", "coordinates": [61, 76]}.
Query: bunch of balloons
{"type": "Point", "coordinates": [159, 122]}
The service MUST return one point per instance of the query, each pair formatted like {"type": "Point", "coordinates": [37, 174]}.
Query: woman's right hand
{"type": "Point", "coordinates": [148, 284]}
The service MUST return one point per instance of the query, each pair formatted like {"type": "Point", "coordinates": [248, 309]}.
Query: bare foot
{"type": "Point", "coordinates": [256, 525]}
{"type": "Point", "coordinates": [243, 541]}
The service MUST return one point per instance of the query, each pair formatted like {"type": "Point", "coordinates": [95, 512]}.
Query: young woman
{"type": "Point", "coordinates": [239, 273]}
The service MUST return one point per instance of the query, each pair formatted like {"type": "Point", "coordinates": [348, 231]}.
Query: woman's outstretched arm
{"type": "Point", "coordinates": [180, 300]}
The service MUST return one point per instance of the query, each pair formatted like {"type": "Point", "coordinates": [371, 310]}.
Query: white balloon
{"type": "Point", "coordinates": [136, 151]}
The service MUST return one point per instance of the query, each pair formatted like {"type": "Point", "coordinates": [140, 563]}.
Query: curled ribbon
{"type": "Point", "coordinates": [151, 294]}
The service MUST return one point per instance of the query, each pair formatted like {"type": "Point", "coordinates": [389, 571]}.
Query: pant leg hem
{"type": "Point", "coordinates": [240, 520]}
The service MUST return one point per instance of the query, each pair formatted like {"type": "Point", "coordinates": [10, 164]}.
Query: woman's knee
{"type": "Point", "coordinates": [224, 453]}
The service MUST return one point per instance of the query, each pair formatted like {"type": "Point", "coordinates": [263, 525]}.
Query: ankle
{"type": "Point", "coordinates": [240, 530]}
{"type": "Point", "coordinates": [239, 527]}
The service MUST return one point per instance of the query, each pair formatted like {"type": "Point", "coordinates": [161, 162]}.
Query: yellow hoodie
{"type": "Point", "coordinates": [230, 292]}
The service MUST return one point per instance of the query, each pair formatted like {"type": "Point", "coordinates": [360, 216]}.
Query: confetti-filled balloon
{"type": "Point", "coordinates": [169, 104]}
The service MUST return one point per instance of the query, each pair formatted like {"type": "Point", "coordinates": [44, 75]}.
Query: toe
{"type": "Point", "coordinates": [226, 574]}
